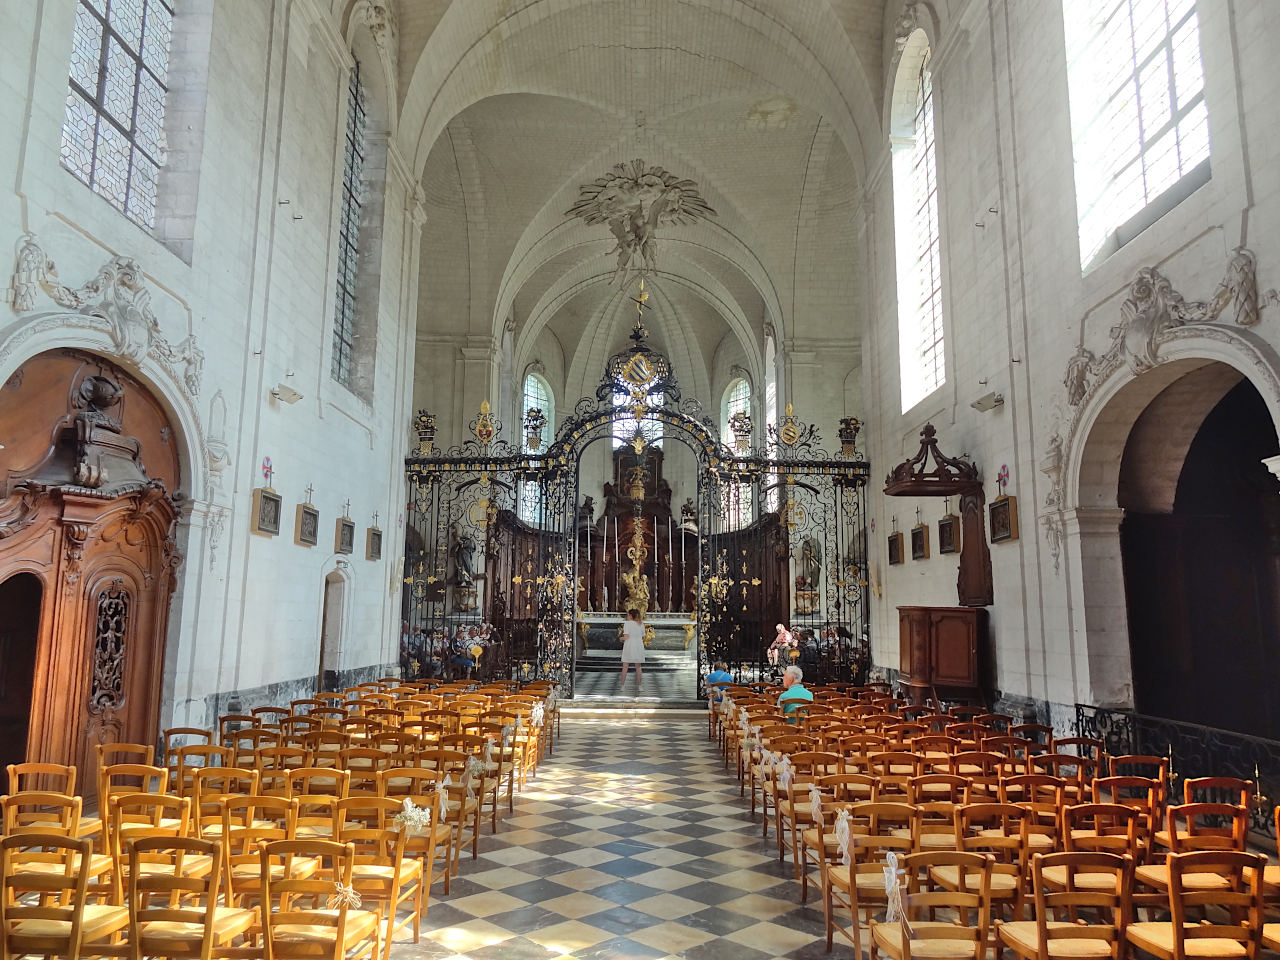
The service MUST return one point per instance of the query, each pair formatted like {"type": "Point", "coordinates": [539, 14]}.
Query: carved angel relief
{"type": "Point", "coordinates": [118, 297]}
{"type": "Point", "coordinates": [634, 200]}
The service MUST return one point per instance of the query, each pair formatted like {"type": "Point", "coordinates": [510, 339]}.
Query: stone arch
{"type": "Point", "coordinates": [1197, 364]}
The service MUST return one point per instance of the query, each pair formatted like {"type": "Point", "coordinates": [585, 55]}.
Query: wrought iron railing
{"type": "Point", "coordinates": [1193, 751]}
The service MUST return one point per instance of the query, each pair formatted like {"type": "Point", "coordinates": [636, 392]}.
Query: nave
{"type": "Point", "coordinates": [632, 842]}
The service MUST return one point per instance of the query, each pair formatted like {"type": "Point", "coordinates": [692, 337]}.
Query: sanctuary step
{"type": "Point", "coordinates": [595, 661]}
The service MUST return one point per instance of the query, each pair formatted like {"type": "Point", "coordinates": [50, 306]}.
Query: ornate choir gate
{"type": "Point", "coordinates": [496, 540]}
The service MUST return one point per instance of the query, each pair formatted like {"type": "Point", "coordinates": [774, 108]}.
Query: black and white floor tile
{"type": "Point", "coordinates": [631, 844]}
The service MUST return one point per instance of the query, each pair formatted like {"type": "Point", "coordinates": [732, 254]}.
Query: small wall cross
{"type": "Point", "coordinates": [346, 508]}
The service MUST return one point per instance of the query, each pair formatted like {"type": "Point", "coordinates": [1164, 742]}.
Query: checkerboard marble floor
{"type": "Point", "coordinates": [632, 842]}
{"type": "Point", "coordinates": [679, 685]}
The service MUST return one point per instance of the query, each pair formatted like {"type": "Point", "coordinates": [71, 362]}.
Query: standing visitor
{"type": "Point", "coordinates": [632, 648]}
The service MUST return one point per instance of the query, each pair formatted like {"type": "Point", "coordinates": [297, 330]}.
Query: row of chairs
{"type": "Point", "coordinates": [398, 804]}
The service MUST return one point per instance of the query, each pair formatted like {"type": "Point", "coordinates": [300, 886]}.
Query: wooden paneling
{"type": "Point", "coordinates": [941, 650]}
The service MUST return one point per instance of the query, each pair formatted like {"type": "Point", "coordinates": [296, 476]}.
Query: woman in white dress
{"type": "Point", "coordinates": [632, 648]}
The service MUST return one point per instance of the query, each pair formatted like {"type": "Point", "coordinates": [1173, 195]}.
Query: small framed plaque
{"type": "Point", "coordinates": [265, 519]}
{"type": "Point", "coordinates": [920, 542]}
{"type": "Point", "coordinates": [895, 548]}
{"type": "Point", "coordinates": [344, 536]}
{"type": "Point", "coordinates": [373, 544]}
{"type": "Point", "coordinates": [949, 534]}
{"type": "Point", "coordinates": [1004, 519]}
{"type": "Point", "coordinates": [306, 525]}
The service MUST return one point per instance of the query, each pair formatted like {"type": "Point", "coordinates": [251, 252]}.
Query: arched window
{"type": "Point", "coordinates": [343, 366]}
{"type": "Point", "coordinates": [738, 498]}
{"type": "Point", "coordinates": [1139, 124]}
{"type": "Point", "coordinates": [921, 354]}
{"type": "Point", "coordinates": [624, 428]}
{"type": "Point", "coordinates": [537, 395]}
{"type": "Point", "coordinates": [113, 132]}
{"type": "Point", "coordinates": [737, 399]}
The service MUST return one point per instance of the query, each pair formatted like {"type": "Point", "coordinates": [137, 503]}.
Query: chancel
{"type": "Point", "coordinates": [542, 434]}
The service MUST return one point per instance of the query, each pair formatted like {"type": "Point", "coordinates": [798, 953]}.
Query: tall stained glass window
{"type": "Point", "coordinates": [113, 133]}
{"type": "Point", "coordinates": [344, 313]}
{"type": "Point", "coordinates": [537, 394]}
{"type": "Point", "coordinates": [1139, 123]}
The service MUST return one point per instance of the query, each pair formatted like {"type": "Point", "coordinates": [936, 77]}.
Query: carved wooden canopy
{"type": "Point", "coordinates": [950, 477]}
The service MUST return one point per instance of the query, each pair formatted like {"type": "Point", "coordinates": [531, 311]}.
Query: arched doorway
{"type": "Point", "coordinates": [20, 603]}
{"type": "Point", "coordinates": [1200, 547]}
{"type": "Point", "coordinates": [331, 631]}
{"type": "Point", "coordinates": [87, 480]}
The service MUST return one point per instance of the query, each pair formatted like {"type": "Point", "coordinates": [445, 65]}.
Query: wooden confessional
{"type": "Point", "coordinates": [88, 472]}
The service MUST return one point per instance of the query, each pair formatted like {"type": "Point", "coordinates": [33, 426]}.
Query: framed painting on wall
{"type": "Point", "coordinates": [920, 542]}
{"type": "Point", "coordinates": [373, 544]}
{"type": "Point", "coordinates": [895, 548]}
{"type": "Point", "coordinates": [344, 538]}
{"type": "Point", "coordinates": [949, 534]}
{"type": "Point", "coordinates": [265, 519]}
{"type": "Point", "coordinates": [306, 525]}
{"type": "Point", "coordinates": [1004, 519]}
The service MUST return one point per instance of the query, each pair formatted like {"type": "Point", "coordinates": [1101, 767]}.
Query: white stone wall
{"type": "Point", "coordinates": [1017, 306]}
{"type": "Point", "coordinates": [250, 276]}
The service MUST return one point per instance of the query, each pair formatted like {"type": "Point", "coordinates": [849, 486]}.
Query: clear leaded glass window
{"type": "Point", "coordinates": [344, 314]}
{"type": "Point", "coordinates": [536, 394]}
{"type": "Point", "coordinates": [920, 332]}
{"type": "Point", "coordinates": [738, 401]}
{"type": "Point", "coordinates": [1139, 123]}
{"type": "Point", "coordinates": [113, 134]}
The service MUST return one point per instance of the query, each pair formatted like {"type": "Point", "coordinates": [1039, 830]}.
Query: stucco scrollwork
{"type": "Point", "coordinates": [1152, 314]}
{"type": "Point", "coordinates": [380, 17]}
{"type": "Point", "coordinates": [116, 295]}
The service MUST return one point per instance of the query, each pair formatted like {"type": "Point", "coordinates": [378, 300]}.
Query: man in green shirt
{"type": "Point", "coordinates": [793, 691]}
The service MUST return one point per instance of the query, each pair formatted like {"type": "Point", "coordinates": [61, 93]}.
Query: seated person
{"type": "Point", "coordinates": [793, 692]}
{"type": "Point", "coordinates": [783, 641]}
{"type": "Point", "coordinates": [716, 680]}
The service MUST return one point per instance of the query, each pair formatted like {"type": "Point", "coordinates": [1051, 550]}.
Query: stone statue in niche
{"type": "Point", "coordinates": [587, 511]}
{"type": "Point", "coordinates": [810, 565]}
{"type": "Point", "coordinates": [462, 548]}
{"type": "Point", "coordinates": [689, 515]}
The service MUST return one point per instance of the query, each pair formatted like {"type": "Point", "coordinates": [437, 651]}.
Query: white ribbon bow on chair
{"type": "Point", "coordinates": [815, 805]}
{"type": "Point", "coordinates": [843, 836]}
{"type": "Point", "coordinates": [893, 893]}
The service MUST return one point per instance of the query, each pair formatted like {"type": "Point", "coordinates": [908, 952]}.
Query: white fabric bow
{"type": "Point", "coordinates": [843, 836]}
{"type": "Point", "coordinates": [892, 889]}
{"type": "Point", "coordinates": [815, 805]}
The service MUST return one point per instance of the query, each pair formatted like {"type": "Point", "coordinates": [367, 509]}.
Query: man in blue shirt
{"type": "Point", "coordinates": [716, 680]}
{"type": "Point", "coordinates": [793, 691]}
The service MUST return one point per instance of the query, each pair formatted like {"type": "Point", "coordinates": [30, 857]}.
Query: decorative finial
{"type": "Point", "coordinates": [309, 491]}
{"type": "Point", "coordinates": [790, 410]}
{"type": "Point", "coordinates": [346, 509]}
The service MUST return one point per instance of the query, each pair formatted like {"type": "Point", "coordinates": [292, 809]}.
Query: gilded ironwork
{"type": "Point", "coordinates": [528, 590]}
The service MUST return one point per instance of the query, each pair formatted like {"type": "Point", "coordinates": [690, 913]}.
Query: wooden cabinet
{"type": "Point", "coordinates": [942, 650]}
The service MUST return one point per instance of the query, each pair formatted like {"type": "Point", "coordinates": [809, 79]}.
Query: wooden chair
{"type": "Point", "coordinates": [134, 816]}
{"type": "Point", "coordinates": [382, 871]}
{"type": "Point", "coordinates": [1139, 793]}
{"type": "Point", "coordinates": [857, 883]}
{"type": "Point", "coordinates": [176, 737]}
{"type": "Point", "coordinates": [1040, 732]}
{"type": "Point", "coordinates": [1000, 830]}
{"type": "Point", "coordinates": [1095, 828]}
{"type": "Point", "coordinates": [273, 765]}
{"type": "Point", "coordinates": [425, 789]}
{"type": "Point", "coordinates": [249, 822]}
{"type": "Point", "coordinates": [1143, 765]}
{"type": "Point", "coordinates": [44, 908]}
{"type": "Point", "coordinates": [193, 757]}
{"type": "Point", "coordinates": [175, 911]}
{"type": "Point", "coordinates": [1239, 897]}
{"type": "Point", "coordinates": [917, 932]}
{"type": "Point", "coordinates": [332, 926]}
{"type": "Point", "coordinates": [48, 777]}
{"type": "Point", "coordinates": [792, 811]}
{"type": "Point", "coordinates": [1195, 827]}
{"type": "Point", "coordinates": [1096, 883]}
{"type": "Point", "coordinates": [1042, 796]}
{"type": "Point", "coordinates": [112, 753]}
{"type": "Point", "coordinates": [270, 717]}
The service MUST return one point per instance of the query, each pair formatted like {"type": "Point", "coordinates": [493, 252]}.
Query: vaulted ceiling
{"type": "Point", "coordinates": [772, 107]}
